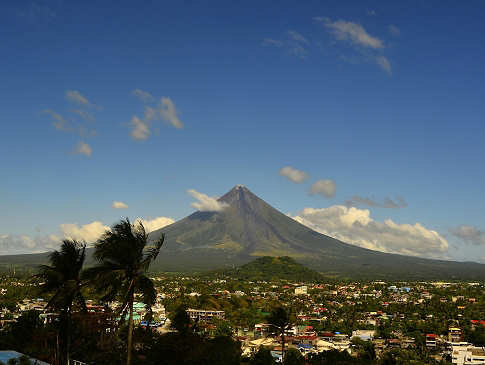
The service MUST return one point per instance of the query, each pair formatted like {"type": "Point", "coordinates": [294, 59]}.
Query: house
{"type": "Point", "coordinates": [431, 340]}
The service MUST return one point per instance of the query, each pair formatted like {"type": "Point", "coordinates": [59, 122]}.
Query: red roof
{"type": "Point", "coordinates": [431, 335]}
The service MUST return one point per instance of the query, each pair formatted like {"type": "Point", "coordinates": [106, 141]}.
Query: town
{"type": "Point", "coordinates": [357, 322]}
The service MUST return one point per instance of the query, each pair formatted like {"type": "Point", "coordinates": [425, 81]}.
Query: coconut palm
{"type": "Point", "coordinates": [280, 319]}
{"type": "Point", "coordinates": [124, 256]}
{"type": "Point", "coordinates": [63, 278]}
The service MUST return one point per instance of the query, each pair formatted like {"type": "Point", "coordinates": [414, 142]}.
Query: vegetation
{"type": "Point", "coordinates": [63, 278]}
{"type": "Point", "coordinates": [123, 261]}
{"type": "Point", "coordinates": [274, 268]}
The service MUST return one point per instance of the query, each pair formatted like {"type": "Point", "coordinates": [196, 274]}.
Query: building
{"type": "Point", "coordinates": [301, 290]}
{"type": "Point", "coordinates": [201, 314]}
{"type": "Point", "coordinates": [431, 340]}
{"type": "Point", "coordinates": [454, 335]}
{"type": "Point", "coordinates": [468, 355]}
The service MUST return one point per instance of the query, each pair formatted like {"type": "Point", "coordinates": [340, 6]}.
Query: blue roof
{"type": "Point", "coordinates": [7, 355]}
{"type": "Point", "coordinates": [305, 346]}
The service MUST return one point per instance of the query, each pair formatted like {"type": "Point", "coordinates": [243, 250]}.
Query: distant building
{"type": "Point", "coordinates": [202, 314]}
{"type": "Point", "coordinates": [468, 355]}
{"type": "Point", "coordinates": [365, 335]}
{"type": "Point", "coordinates": [431, 340]}
{"type": "Point", "coordinates": [454, 334]}
{"type": "Point", "coordinates": [301, 290]}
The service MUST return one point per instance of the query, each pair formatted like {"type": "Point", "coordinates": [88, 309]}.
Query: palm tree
{"type": "Point", "coordinates": [123, 260]}
{"type": "Point", "coordinates": [280, 319]}
{"type": "Point", "coordinates": [63, 277]}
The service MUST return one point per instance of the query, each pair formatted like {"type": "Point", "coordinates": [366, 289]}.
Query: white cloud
{"type": "Point", "coordinates": [269, 42]}
{"type": "Point", "coordinates": [295, 43]}
{"type": "Point", "coordinates": [295, 175]}
{"type": "Point", "coordinates": [399, 202]}
{"type": "Point", "coordinates": [155, 223]}
{"type": "Point", "coordinates": [352, 32]}
{"type": "Point", "coordinates": [206, 203]}
{"type": "Point", "coordinates": [75, 96]}
{"type": "Point", "coordinates": [384, 64]}
{"type": "Point", "coordinates": [165, 110]}
{"type": "Point", "coordinates": [11, 244]}
{"type": "Point", "coordinates": [89, 232]}
{"type": "Point", "coordinates": [325, 188]}
{"type": "Point", "coordinates": [83, 149]}
{"type": "Point", "coordinates": [144, 96]}
{"type": "Point", "coordinates": [355, 226]}
{"type": "Point", "coordinates": [59, 123]}
{"type": "Point", "coordinates": [297, 37]}
{"type": "Point", "coordinates": [356, 35]}
{"type": "Point", "coordinates": [394, 30]}
{"type": "Point", "coordinates": [84, 115]}
{"type": "Point", "coordinates": [469, 234]}
{"type": "Point", "coordinates": [119, 205]}
{"type": "Point", "coordinates": [169, 112]}
{"type": "Point", "coordinates": [141, 129]}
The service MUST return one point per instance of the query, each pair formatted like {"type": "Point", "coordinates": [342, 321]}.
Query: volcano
{"type": "Point", "coordinates": [247, 227]}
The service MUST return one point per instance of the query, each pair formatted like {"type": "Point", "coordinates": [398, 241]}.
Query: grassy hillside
{"type": "Point", "coordinates": [272, 268]}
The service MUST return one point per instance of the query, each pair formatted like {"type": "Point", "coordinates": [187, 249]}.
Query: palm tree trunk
{"type": "Point", "coordinates": [130, 332]}
{"type": "Point", "coordinates": [68, 336]}
{"type": "Point", "coordinates": [283, 345]}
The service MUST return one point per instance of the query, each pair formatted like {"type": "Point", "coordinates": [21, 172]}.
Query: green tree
{"type": "Point", "coordinates": [181, 320]}
{"type": "Point", "coordinates": [294, 357]}
{"type": "Point", "coordinates": [223, 329]}
{"type": "Point", "coordinates": [124, 256]}
{"type": "Point", "coordinates": [63, 278]}
{"type": "Point", "coordinates": [262, 357]}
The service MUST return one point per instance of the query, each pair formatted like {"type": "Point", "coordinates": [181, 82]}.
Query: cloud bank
{"type": "Point", "coordinates": [11, 244]}
{"type": "Point", "coordinates": [356, 226]}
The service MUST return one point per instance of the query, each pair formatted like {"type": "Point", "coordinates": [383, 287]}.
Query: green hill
{"type": "Point", "coordinates": [271, 268]}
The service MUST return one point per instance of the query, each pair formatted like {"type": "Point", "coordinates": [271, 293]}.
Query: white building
{"type": "Point", "coordinates": [205, 314]}
{"type": "Point", "coordinates": [469, 355]}
{"type": "Point", "coordinates": [301, 290]}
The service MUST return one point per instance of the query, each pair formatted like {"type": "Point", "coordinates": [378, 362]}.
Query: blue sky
{"type": "Point", "coordinates": [384, 100]}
